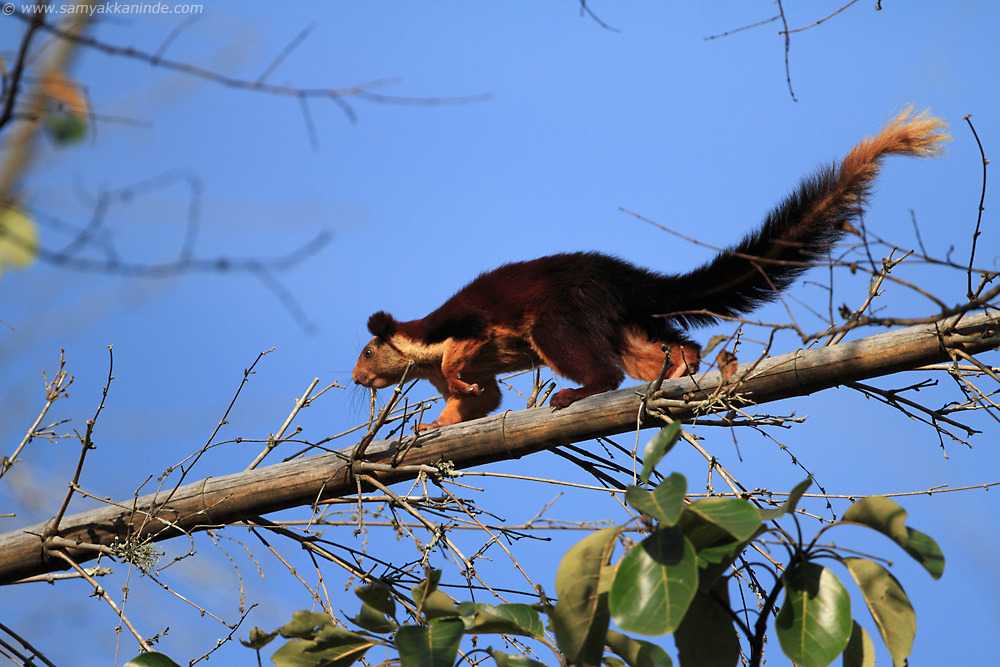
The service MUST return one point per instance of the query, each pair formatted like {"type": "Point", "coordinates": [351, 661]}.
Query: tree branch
{"type": "Point", "coordinates": [218, 501]}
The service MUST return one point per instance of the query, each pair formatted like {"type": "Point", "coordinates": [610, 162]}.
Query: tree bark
{"type": "Point", "coordinates": [218, 501]}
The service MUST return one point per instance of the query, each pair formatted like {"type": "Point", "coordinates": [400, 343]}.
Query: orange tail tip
{"type": "Point", "coordinates": [920, 135]}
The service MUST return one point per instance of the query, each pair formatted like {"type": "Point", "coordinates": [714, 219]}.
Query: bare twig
{"type": "Point", "coordinates": [982, 200]}
{"type": "Point", "coordinates": [55, 389]}
{"type": "Point", "coordinates": [101, 593]}
{"type": "Point", "coordinates": [439, 532]}
{"type": "Point", "coordinates": [86, 444]}
{"type": "Point", "coordinates": [873, 291]}
{"type": "Point", "coordinates": [822, 20]}
{"type": "Point", "coordinates": [273, 441]}
{"type": "Point", "coordinates": [233, 630]}
{"type": "Point", "coordinates": [788, 48]}
{"type": "Point", "coordinates": [373, 428]}
{"type": "Point", "coordinates": [742, 28]}
{"type": "Point", "coordinates": [361, 91]}
{"type": "Point", "coordinates": [892, 397]}
{"type": "Point", "coordinates": [27, 646]}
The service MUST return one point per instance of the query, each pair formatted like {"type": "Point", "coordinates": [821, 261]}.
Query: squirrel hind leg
{"type": "Point", "coordinates": [643, 357]}
{"type": "Point", "coordinates": [582, 355]}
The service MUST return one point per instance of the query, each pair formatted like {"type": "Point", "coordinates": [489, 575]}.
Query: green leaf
{"type": "Point", "coordinates": [706, 637]}
{"type": "Point", "coordinates": [790, 503]}
{"type": "Point", "coordinates": [304, 624]}
{"type": "Point", "coordinates": [377, 597]}
{"type": "Point", "coordinates": [654, 584]}
{"type": "Point", "coordinates": [657, 448]}
{"type": "Point", "coordinates": [258, 639]}
{"type": "Point", "coordinates": [151, 659]}
{"type": "Point", "coordinates": [737, 517]}
{"type": "Point", "coordinates": [507, 660]}
{"type": "Point", "coordinates": [18, 239]}
{"type": "Point", "coordinates": [434, 645]}
{"type": "Point", "coordinates": [293, 654]}
{"type": "Point", "coordinates": [888, 518]}
{"type": "Point", "coordinates": [439, 605]}
{"type": "Point", "coordinates": [925, 549]}
{"type": "Point", "coordinates": [306, 653]}
{"type": "Point", "coordinates": [716, 548]}
{"type": "Point", "coordinates": [509, 619]}
{"type": "Point", "coordinates": [814, 624]}
{"type": "Point", "coordinates": [637, 652]}
{"type": "Point", "coordinates": [432, 602]}
{"type": "Point", "coordinates": [712, 543]}
{"type": "Point", "coordinates": [342, 643]}
{"type": "Point", "coordinates": [715, 560]}
{"type": "Point", "coordinates": [66, 119]}
{"type": "Point", "coordinates": [427, 586]}
{"type": "Point", "coordinates": [665, 503]}
{"type": "Point", "coordinates": [889, 606]}
{"type": "Point", "coordinates": [860, 651]}
{"type": "Point", "coordinates": [65, 128]}
{"type": "Point", "coordinates": [373, 620]}
{"type": "Point", "coordinates": [580, 618]}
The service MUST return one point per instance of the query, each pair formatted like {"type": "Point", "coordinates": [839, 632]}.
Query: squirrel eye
{"type": "Point", "coordinates": [368, 353]}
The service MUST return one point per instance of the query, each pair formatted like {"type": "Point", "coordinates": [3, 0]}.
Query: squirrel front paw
{"type": "Point", "coordinates": [421, 428]}
{"type": "Point", "coordinates": [456, 386]}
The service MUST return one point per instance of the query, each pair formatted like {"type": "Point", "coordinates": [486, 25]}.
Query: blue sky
{"type": "Point", "coordinates": [699, 135]}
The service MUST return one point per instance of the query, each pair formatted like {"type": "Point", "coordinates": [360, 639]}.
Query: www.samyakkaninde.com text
{"type": "Point", "coordinates": [92, 9]}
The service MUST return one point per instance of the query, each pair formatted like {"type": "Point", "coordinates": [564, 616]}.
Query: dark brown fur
{"type": "Point", "coordinates": [594, 318]}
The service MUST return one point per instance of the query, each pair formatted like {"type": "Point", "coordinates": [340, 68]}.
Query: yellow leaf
{"type": "Point", "coordinates": [18, 239]}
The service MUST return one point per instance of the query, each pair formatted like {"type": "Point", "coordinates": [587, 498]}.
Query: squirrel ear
{"type": "Point", "coordinates": [382, 325]}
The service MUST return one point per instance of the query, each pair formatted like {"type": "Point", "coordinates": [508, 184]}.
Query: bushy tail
{"type": "Point", "coordinates": [815, 215]}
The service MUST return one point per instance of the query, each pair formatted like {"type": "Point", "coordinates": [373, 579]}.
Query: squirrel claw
{"type": "Point", "coordinates": [421, 428]}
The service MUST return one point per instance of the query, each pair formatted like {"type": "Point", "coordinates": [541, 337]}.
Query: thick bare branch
{"type": "Point", "coordinates": [223, 500]}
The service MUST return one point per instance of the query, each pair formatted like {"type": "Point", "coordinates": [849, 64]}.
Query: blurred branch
{"type": "Point", "coordinates": [359, 91]}
{"type": "Point", "coordinates": [222, 500]}
{"type": "Point", "coordinates": [585, 9]}
{"type": "Point", "coordinates": [19, 149]}
{"type": "Point", "coordinates": [12, 85]}
{"type": "Point", "coordinates": [89, 237]}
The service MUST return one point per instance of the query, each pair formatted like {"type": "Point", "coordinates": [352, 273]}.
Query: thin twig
{"type": "Point", "coordinates": [982, 200]}
{"type": "Point", "coordinates": [822, 20]}
{"type": "Point", "coordinates": [746, 27]}
{"type": "Point", "coordinates": [101, 593]}
{"type": "Point", "coordinates": [273, 441]}
{"type": "Point", "coordinates": [86, 444]}
{"type": "Point", "coordinates": [24, 642]}
{"type": "Point", "coordinates": [788, 48]}
{"type": "Point", "coordinates": [373, 429]}
{"type": "Point", "coordinates": [54, 390]}
{"type": "Point", "coordinates": [438, 531]}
